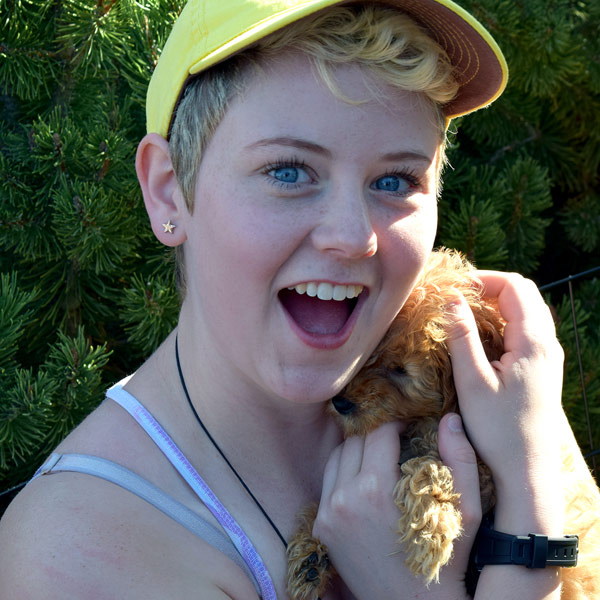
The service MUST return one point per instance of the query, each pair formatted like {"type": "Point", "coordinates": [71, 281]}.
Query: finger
{"type": "Point", "coordinates": [343, 464]}
{"type": "Point", "coordinates": [458, 455]}
{"type": "Point", "coordinates": [529, 320]}
{"type": "Point", "coordinates": [530, 329]}
{"type": "Point", "coordinates": [331, 473]}
{"type": "Point", "coordinates": [382, 448]}
{"type": "Point", "coordinates": [351, 458]}
{"type": "Point", "coordinates": [470, 366]}
{"type": "Point", "coordinates": [518, 298]}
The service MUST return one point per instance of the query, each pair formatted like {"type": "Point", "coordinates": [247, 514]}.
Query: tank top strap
{"type": "Point", "coordinates": [134, 483]}
{"type": "Point", "coordinates": [168, 447]}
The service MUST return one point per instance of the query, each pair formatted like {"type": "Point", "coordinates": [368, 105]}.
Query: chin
{"type": "Point", "coordinates": [310, 385]}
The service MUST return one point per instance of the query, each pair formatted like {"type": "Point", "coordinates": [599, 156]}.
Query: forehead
{"type": "Point", "coordinates": [286, 95]}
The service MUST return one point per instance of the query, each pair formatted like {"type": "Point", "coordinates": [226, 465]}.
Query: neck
{"type": "Point", "coordinates": [235, 387]}
{"type": "Point", "coordinates": [295, 437]}
{"type": "Point", "coordinates": [260, 436]}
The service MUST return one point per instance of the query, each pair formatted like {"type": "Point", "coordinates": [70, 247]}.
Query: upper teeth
{"type": "Point", "coordinates": [327, 291]}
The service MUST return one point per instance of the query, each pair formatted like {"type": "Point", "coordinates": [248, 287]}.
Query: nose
{"type": "Point", "coordinates": [345, 226]}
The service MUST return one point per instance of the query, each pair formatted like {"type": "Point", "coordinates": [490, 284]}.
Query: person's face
{"type": "Point", "coordinates": [298, 189]}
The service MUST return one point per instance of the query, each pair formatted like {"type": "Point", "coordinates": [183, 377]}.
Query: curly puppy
{"type": "Point", "coordinates": [409, 378]}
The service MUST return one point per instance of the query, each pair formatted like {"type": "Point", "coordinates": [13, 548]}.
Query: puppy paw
{"type": "Point", "coordinates": [309, 570]}
{"type": "Point", "coordinates": [430, 520]}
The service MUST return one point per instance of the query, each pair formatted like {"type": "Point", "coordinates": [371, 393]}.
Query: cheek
{"type": "Point", "coordinates": [406, 248]}
{"type": "Point", "coordinates": [241, 239]}
{"type": "Point", "coordinates": [411, 238]}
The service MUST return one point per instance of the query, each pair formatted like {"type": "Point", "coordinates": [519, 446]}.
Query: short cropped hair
{"type": "Point", "coordinates": [387, 43]}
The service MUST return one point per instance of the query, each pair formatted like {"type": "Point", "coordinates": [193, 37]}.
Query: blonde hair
{"type": "Point", "coordinates": [388, 43]}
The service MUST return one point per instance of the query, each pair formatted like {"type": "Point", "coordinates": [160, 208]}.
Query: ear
{"type": "Point", "coordinates": [163, 198]}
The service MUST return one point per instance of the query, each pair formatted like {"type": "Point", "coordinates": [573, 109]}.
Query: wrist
{"type": "Point", "coordinates": [531, 499]}
{"type": "Point", "coordinates": [530, 513]}
{"type": "Point", "coordinates": [524, 566]}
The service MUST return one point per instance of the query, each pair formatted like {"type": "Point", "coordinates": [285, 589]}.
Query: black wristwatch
{"type": "Point", "coordinates": [533, 551]}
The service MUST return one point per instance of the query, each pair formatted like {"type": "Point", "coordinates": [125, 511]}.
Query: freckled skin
{"type": "Point", "coordinates": [307, 198]}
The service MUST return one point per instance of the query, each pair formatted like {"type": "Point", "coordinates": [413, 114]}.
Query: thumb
{"type": "Point", "coordinates": [458, 455]}
{"type": "Point", "coordinates": [471, 369]}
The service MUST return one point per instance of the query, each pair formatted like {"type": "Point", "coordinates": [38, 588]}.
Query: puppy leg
{"type": "Point", "coordinates": [309, 570]}
{"type": "Point", "coordinates": [430, 520]}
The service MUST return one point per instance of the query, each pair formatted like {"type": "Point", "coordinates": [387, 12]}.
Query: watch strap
{"type": "Point", "coordinates": [533, 551]}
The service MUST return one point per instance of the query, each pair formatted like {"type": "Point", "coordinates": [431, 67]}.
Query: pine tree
{"type": "Point", "coordinates": [523, 191]}
{"type": "Point", "coordinates": [86, 292]}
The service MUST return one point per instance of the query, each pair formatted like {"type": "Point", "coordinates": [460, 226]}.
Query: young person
{"type": "Point", "coordinates": [294, 149]}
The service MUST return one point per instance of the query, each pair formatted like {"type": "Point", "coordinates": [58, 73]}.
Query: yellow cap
{"type": "Point", "coordinates": [209, 31]}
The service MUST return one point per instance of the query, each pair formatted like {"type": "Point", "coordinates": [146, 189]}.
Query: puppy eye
{"type": "Point", "coordinates": [343, 405]}
{"type": "Point", "coordinates": [400, 371]}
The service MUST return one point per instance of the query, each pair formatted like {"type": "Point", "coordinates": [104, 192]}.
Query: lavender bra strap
{"type": "Point", "coordinates": [186, 470]}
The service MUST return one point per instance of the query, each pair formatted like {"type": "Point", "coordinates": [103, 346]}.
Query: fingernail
{"type": "Point", "coordinates": [455, 424]}
{"type": "Point", "coordinates": [453, 306]}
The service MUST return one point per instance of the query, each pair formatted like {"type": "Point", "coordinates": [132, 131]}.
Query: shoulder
{"type": "Point", "coordinates": [73, 536]}
{"type": "Point", "coordinates": [70, 535]}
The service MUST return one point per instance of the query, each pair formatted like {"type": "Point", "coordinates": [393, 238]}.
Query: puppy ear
{"type": "Point", "coordinates": [163, 198]}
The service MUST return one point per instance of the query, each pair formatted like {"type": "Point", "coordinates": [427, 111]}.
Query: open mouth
{"type": "Point", "coordinates": [320, 308]}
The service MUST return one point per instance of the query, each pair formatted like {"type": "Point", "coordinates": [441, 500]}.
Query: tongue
{"type": "Point", "coordinates": [314, 315]}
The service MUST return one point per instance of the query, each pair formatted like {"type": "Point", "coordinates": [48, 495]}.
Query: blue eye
{"type": "Point", "coordinates": [389, 183]}
{"type": "Point", "coordinates": [286, 174]}
{"type": "Point", "coordinates": [396, 183]}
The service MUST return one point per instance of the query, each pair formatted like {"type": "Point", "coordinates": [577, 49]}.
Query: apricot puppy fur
{"type": "Point", "coordinates": [409, 378]}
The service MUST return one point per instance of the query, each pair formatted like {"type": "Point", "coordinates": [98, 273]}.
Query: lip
{"type": "Point", "coordinates": [328, 341]}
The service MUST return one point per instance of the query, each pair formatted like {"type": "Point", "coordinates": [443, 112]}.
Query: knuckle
{"type": "Point", "coordinates": [322, 527]}
{"type": "Point", "coordinates": [529, 283]}
{"type": "Point", "coordinates": [465, 455]}
{"type": "Point", "coordinates": [371, 490]}
{"type": "Point", "coordinates": [462, 329]}
{"type": "Point", "coordinates": [523, 285]}
{"type": "Point", "coordinates": [331, 514]}
{"type": "Point", "coordinates": [340, 505]}
{"type": "Point", "coordinates": [559, 352]}
{"type": "Point", "coordinates": [459, 329]}
{"type": "Point", "coordinates": [547, 349]}
{"type": "Point", "coordinates": [471, 514]}
{"type": "Point", "coordinates": [515, 279]}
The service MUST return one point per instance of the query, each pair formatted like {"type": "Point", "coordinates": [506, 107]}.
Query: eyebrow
{"type": "Point", "coordinates": [293, 143]}
{"type": "Point", "coordinates": [407, 155]}
{"type": "Point", "coordinates": [318, 149]}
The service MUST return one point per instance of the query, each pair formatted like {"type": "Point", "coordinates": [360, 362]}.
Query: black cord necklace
{"type": "Point", "coordinates": [210, 437]}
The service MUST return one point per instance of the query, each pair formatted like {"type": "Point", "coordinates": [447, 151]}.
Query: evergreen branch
{"type": "Point", "coordinates": [35, 53]}
{"type": "Point", "coordinates": [15, 311]}
{"type": "Point", "coordinates": [76, 366]}
{"type": "Point", "coordinates": [534, 136]}
{"type": "Point", "coordinates": [149, 311]}
{"type": "Point", "coordinates": [23, 417]}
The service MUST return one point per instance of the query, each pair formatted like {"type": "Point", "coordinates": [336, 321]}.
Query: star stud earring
{"type": "Point", "coordinates": [168, 227]}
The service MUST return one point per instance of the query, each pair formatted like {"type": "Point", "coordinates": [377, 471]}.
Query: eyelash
{"type": "Point", "coordinates": [407, 174]}
{"type": "Point", "coordinates": [283, 163]}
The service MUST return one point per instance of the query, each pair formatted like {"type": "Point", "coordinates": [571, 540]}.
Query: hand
{"type": "Point", "coordinates": [512, 407]}
{"type": "Point", "coordinates": [357, 516]}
